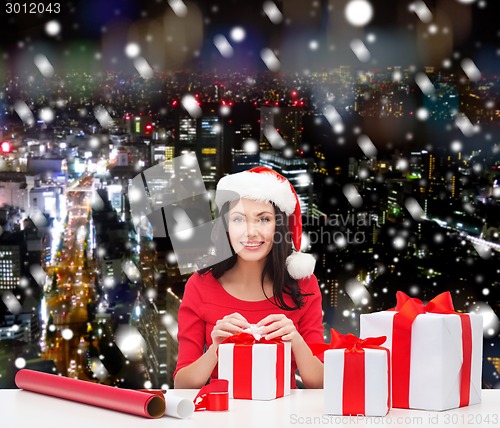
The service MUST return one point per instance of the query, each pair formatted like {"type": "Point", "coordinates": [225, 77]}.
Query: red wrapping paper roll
{"type": "Point", "coordinates": [122, 400]}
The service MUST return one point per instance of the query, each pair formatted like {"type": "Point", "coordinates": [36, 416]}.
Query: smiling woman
{"type": "Point", "coordinates": [264, 282]}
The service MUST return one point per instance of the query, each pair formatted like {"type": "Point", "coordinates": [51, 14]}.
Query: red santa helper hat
{"type": "Point", "coordinates": [264, 184]}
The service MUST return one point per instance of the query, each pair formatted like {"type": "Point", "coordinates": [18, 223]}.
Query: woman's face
{"type": "Point", "coordinates": [251, 227]}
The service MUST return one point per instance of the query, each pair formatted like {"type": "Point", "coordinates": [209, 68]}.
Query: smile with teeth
{"type": "Point", "coordinates": [252, 244]}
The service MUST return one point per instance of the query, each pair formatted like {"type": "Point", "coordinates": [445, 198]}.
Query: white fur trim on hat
{"type": "Point", "coordinates": [259, 186]}
{"type": "Point", "coordinates": [300, 265]}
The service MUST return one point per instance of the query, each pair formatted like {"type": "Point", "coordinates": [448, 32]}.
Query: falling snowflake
{"type": "Point", "coordinates": [225, 110]}
{"type": "Point", "coordinates": [367, 146]}
{"type": "Point", "coordinates": [44, 66]}
{"type": "Point", "coordinates": [371, 38]}
{"type": "Point", "coordinates": [357, 292]}
{"type": "Point", "coordinates": [464, 124]}
{"type": "Point", "coordinates": [38, 219]}
{"type": "Point", "coordinates": [272, 12]}
{"type": "Point", "coordinates": [399, 243]}
{"type": "Point", "coordinates": [94, 143]}
{"type": "Point", "coordinates": [223, 46]}
{"type": "Point", "coordinates": [132, 50]}
{"type": "Point", "coordinates": [11, 301]}
{"type": "Point", "coordinates": [191, 105]}
{"type": "Point", "coordinates": [456, 146]}
{"type": "Point", "coordinates": [179, 7]}
{"type": "Point", "coordinates": [433, 29]}
{"type": "Point", "coordinates": [358, 12]}
{"type": "Point", "coordinates": [438, 238]}
{"type": "Point", "coordinates": [171, 258]}
{"type": "Point", "coordinates": [98, 369]}
{"type": "Point", "coordinates": [24, 113]}
{"type": "Point", "coordinates": [422, 114]}
{"type": "Point", "coordinates": [103, 117]}
{"type": "Point", "coordinates": [334, 119]}
{"type": "Point", "coordinates": [130, 342]}
{"type": "Point", "coordinates": [46, 114]}
{"type": "Point", "coordinates": [238, 34]}
{"type": "Point", "coordinates": [491, 323]}
{"type": "Point", "coordinates": [414, 290]}
{"type": "Point", "coordinates": [470, 69]}
{"type": "Point", "coordinates": [250, 146]}
{"type": "Point", "coordinates": [53, 28]}
{"type": "Point", "coordinates": [20, 363]}
{"type": "Point", "coordinates": [270, 59]}
{"type": "Point", "coordinates": [352, 195]}
{"type": "Point", "coordinates": [421, 10]}
{"type": "Point", "coordinates": [109, 282]}
{"type": "Point", "coordinates": [38, 274]}
{"type": "Point", "coordinates": [414, 209]}
{"type": "Point", "coordinates": [402, 164]}
{"type": "Point", "coordinates": [143, 68]}
{"type": "Point", "coordinates": [131, 270]}
{"type": "Point", "coordinates": [313, 45]}
{"type": "Point", "coordinates": [274, 137]}
{"type": "Point", "coordinates": [424, 83]}
{"type": "Point", "coordinates": [67, 334]}
{"type": "Point", "coordinates": [340, 240]}
{"type": "Point", "coordinates": [360, 50]}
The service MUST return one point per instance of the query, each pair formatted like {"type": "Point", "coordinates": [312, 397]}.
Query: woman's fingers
{"type": "Point", "coordinates": [277, 326]}
{"type": "Point", "coordinates": [229, 325]}
{"type": "Point", "coordinates": [270, 318]}
{"type": "Point", "coordinates": [222, 333]}
{"type": "Point", "coordinates": [237, 319]}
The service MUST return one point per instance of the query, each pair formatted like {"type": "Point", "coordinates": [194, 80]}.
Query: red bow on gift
{"type": "Point", "coordinates": [347, 341]}
{"type": "Point", "coordinates": [248, 339]}
{"type": "Point", "coordinates": [408, 309]}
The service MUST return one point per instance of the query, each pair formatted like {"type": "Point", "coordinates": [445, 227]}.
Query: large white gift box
{"type": "Point", "coordinates": [443, 353]}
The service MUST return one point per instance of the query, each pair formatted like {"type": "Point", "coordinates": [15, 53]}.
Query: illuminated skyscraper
{"type": "Point", "coordinates": [10, 260]}
{"type": "Point", "coordinates": [286, 120]}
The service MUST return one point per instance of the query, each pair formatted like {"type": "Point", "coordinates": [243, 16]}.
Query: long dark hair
{"type": "Point", "coordinates": [275, 266]}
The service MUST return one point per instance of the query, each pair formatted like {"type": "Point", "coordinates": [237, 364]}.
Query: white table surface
{"type": "Point", "coordinates": [24, 409]}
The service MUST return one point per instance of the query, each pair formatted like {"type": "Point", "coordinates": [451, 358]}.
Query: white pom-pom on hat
{"type": "Point", "coordinates": [300, 265]}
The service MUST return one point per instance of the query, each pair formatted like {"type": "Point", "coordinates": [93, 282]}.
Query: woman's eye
{"type": "Point", "coordinates": [238, 219]}
{"type": "Point", "coordinates": [265, 219]}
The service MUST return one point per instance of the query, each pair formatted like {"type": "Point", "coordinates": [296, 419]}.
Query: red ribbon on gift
{"type": "Point", "coordinates": [353, 390]}
{"type": "Point", "coordinates": [213, 397]}
{"type": "Point", "coordinates": [408, 309]}
{"type": "Point", "coordinates": [242, 371]}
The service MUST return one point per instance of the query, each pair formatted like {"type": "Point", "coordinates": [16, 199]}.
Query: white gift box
{"type": "Point", "coordinates": [436, 356]}
{"type": "Point", "coordinates": [376, 385]}
{"type": "Point", "coordinates": [264, 366]}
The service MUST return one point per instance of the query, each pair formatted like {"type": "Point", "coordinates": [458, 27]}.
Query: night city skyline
{"type": "Point", "coordinates": [389, 129]}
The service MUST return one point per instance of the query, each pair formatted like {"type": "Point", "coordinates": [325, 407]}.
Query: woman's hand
{"type": "Point", "coordinates": [227, 326]}
{"type": "Point", "coordinates": [310, 367]}
{"type": "Point", "coordinates": [279, 325]}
